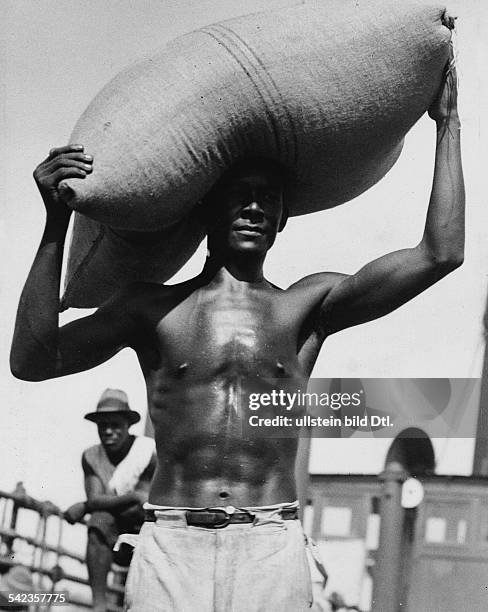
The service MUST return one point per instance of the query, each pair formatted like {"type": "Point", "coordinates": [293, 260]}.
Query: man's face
{"type": "Point", "coordinates": [113, 431]}
{"type": "Point", "coordinates": [248, 212]}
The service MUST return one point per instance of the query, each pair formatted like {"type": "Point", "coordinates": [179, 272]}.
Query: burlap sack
{"type": "Point", "coordinates": [329, 89]}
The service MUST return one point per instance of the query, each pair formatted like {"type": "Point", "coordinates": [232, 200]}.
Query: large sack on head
{"type": "Point", "coordinates": [329, 89]}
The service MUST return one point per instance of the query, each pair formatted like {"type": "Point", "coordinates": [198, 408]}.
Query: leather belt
{"type": "Point", "coordinates": [218, 518]}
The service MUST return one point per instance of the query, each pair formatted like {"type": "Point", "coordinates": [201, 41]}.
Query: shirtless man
{"type": "Point", "coordinates": [197, 342]}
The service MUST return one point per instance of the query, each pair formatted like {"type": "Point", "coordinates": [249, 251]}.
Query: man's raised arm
{"type": "Point", "coordinates": [41, 350]}
{"type": "Point", "coordinates": [388, 282]}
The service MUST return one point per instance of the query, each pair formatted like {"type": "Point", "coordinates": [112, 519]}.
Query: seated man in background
{"type": "Point", "coordinates": [118, 473]}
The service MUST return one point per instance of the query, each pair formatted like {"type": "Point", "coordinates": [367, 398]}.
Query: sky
{"type": "Point", "coordinates": [57, 56]}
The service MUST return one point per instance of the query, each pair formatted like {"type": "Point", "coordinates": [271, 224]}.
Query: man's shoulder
{"type": "Point", "coordinates": [320, 280]}
{"type": "Point", "coordinates": [137, 301]}
{"type": "Point", "coordinates": [92, 452]}
{"type": "Point", "coordinates": [95, 448]}
{"type": "Point", "coordinates": [306, 294]}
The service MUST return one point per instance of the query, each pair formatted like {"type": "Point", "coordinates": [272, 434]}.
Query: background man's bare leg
{"type": "Point", "coordinates": [98, 560]}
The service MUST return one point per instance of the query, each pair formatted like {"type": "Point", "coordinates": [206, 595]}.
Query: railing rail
{"type": "Point", "coordinates": [40, 565]}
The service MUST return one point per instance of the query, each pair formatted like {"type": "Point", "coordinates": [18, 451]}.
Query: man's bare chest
{"type": "Point", "coordinates": [229, 327]}
{"type": "Point", "coordinates": [241, 332]}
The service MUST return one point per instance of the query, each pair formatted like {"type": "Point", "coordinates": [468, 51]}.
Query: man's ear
{"type": "Point", "coordinates": [284, 219]}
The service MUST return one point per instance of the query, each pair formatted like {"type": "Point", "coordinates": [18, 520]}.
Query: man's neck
{"type": "Point", "coordinates": [115, 457]}
{"type": "Point", "coordinates": [241, 268]}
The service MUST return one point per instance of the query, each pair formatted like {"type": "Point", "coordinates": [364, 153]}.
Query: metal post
{"type": "Point", "coordinates": [18, 491]}
{"type": "Point", "coordinates": [387, 569]}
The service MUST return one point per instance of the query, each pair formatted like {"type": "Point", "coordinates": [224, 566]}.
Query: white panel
{"type": "Point", "coordinates": [336, 521]}
{"type": "Point", "coordinates": [435, 530]}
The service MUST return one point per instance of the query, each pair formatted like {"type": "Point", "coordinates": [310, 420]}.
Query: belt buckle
{"type": "Point", "coordinates": [226, 517]}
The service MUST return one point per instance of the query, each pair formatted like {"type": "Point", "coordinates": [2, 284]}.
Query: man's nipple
{"type": "Point", "coordinates": [181, 369]}
{"type": "Point", "coordinates": [280, 368]}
